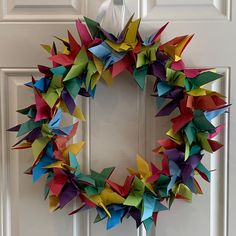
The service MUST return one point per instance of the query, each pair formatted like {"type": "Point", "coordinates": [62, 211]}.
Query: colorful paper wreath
{"type": "Point", "coordinates": [101, 55]}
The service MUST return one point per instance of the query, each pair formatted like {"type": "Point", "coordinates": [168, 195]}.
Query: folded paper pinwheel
{"type": "Point", "coordinates": [76, 72]}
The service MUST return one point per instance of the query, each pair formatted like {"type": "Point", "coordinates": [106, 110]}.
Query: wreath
{"type": "Point", "coordinates": [76, 71]}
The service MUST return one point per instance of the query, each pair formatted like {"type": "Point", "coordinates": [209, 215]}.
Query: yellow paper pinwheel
{"type": "Point", "coordinates": [143, 172]}
{"type": "Point", "coordinates": [130, 40]}
{"type": "Point", "coordinates": [105, 198]}
{"type": "Point", "coordinates": [176, 46]}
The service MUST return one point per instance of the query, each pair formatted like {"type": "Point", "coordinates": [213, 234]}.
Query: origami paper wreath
{"type": "Point", "coordinates": [101, 55]}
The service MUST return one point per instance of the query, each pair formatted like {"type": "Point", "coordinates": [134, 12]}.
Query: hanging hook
{"type": "Point", "coordinates": [118, 2]}
{"type": "Point", "coordinates": [104, 8]}
{"type": "Point", "coordinates": [113, 13]}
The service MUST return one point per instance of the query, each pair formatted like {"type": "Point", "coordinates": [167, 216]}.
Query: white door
{"type": "Point", "coordinates": [116, 127]}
